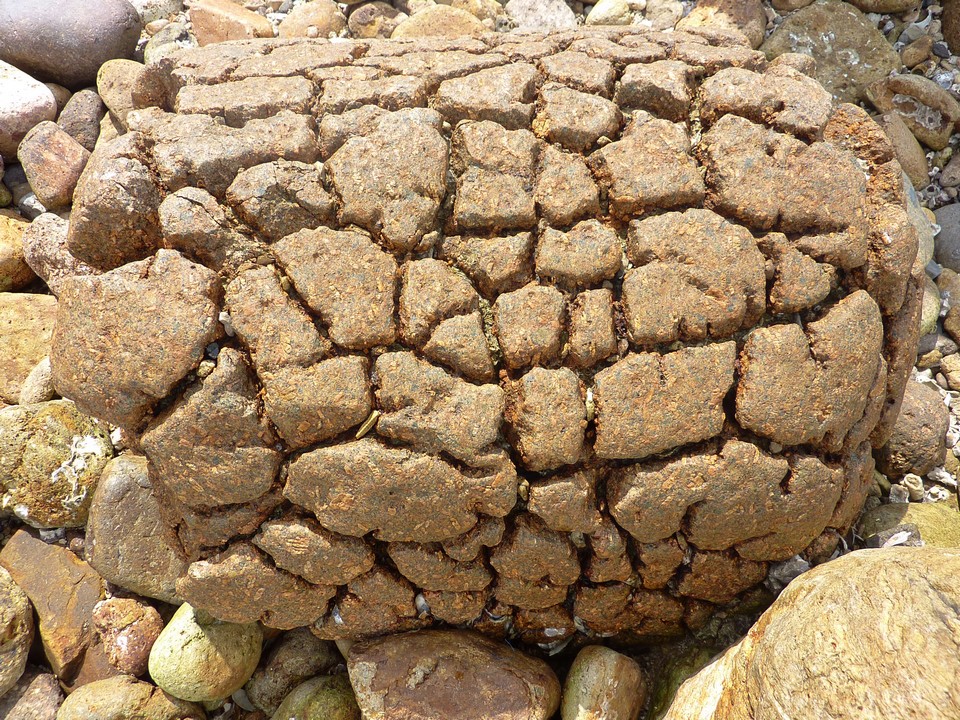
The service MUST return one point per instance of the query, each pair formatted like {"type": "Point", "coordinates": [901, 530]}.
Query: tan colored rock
{"type": "Point", "coordinates": [16, 620]}
{"type": "Point", "coordinates": [26, 329]}
{"type": "Point", "coordinates": [217, 20]}
{"type": "Point", "coordinates": [123, 697]}
{"type": "Point", "coordinates": [780, 669]}
{"type": "Point", "coordinates": [602, 683]}
{"type": "Point", "coordinates": [746, 16]}
{"type": "Point", "coordinates": [917, 443]}
{"type": "Point", "coordinates": [52, 161]}
{"type": "Point", "coordinates": [444, 20]}
{"type": "Point", "coordinates": [115, 82]}
{"type": "Point", "coordinates": [460, 674]}
{"type": "Point", "coordinates": [910, 155]}
{"type": "Point", "coordinates": [317, 18]}
{"type": "Point", "coordinates": [15, 273]}
{"type": "Point", "coordinates": [926, 108]}
{"type": "Point", "coordinates": [295, 656]}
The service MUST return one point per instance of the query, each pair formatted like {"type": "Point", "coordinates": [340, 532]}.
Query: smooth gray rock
{"type": "Point", "coordinates": [67, 41]}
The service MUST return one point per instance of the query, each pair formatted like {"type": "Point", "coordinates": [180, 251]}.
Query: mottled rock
{"type": "Point", "coordinates": [127, 629]}
{"type": "Point", "coordinates": [45, 251]}
{"type": "Point", "coordinates": [318, 18]}
{"type": "Point", "coordinates": [912, 592]}
{"type": "Point", "coordinates": [66, 44]}
{"type": "Point", "coordinates": [198, 659]}
{"type": "Point", "coordinates": [850, 52]}
{"type": "Point", "coordinates": [469, 676]}
{"type": "Point", "coordinates": [916, 445]}
{"type": "Point", "coordinates": [16, 619]}
{"type": "Point", "coordinates": [15, 272]}
{"type": "Point", "coordinates": [125, 697]}
{"type": "Point", "coordinates": [36, 696]}
{"type": "Point", "coordinates": [541, 16]}
{"type": "Point", "coordinates": [937, 523]}
{"type": "Point", "coordinates": [53, 162]}
{"type": "Point", "coordinates": [127, 541]}
{"type": "Point", "coordinates": [294, 657]}
{"type": "Point", "coordinates": [328, 696]}
{"type": "Point", "coordinates": [603, 683]}
{"type": "Point", "coordinates": [926, 108]}
{"type": "Point", "coordinates": [64, 591]}
{"type": "Point", "coordinates": [444, 20]}
{"type": "Point", "coordinates": [304, 548]}
{"type": "Point", "coordinates": [26, 328]}
{"type": "Point", "coordinates": [50, 461]}
{"type": "Point", "coordinates": [173, 301]}
{"type": "Point", "coordinates": [215, 21]}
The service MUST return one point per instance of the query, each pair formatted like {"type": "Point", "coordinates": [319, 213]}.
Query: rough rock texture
{"type": "Point", "coordinates": [37, 696]}
{"type": "Point", "coordinates": [434, 673]}
{"type": "Point", "coordinates": [838, 642]}
{"type": "Point", "coordinates": [16, 622]}
{"type": "Point", "coordinates": [26, 329]}
{"type": "Point", "coordinates": [498, 343]}
{"type": "Point", "coordinates": [125, 697]}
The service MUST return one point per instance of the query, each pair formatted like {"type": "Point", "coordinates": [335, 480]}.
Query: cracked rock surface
{"type": "Point", "coordinates": [539, 335]}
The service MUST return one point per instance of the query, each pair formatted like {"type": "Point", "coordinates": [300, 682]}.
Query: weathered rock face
{"type": "Point", "coordinates": [499, 344]}
{"type": "Point", "coordinates": [838, 643]}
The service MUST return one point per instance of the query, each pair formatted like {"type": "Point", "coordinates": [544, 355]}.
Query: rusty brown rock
{"type": "Point", "coordinates": [166, 298]}
{"type": "Point", "coordinates": [302, 547]}
{"type": "Point", "coordinates": [496, 265]}
{"type": "Point", "coordinates": [528, 323]}
{"type": "Point", "coordinates": [469, 676]}
{"type": "Point", "coordinates": [127, 629]}
{"type": "Point", "coordinates": [27, 323]}
{"type": "Point", "coordinates": [52, 161]}
{"type": "Point", "coordinates": [917, 442]}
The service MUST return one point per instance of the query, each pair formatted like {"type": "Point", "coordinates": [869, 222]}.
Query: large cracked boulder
{"type": "Point", "coordinates": [537, 334]}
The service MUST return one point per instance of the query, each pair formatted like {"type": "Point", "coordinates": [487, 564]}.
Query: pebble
{"type": "Point", "coordinates": [541, 15]}
{"type": "Point", "coordinates": [125, 698]}
{"type": "Point", "coordinates": [914, 485]}
{"type": "Point", "coordinates": [930, 310]}
{"type": "Point", "coordinates": [81, 116]}
{"type": "Point", "coordinates": [329, 697]}
{"type": "Point", "coordinates": [219, 20]}
{"type": "Point", "coordinates": [38, 387]}
{"type": "Point", "coordinates": [912, 157]}
{"type": "Point", "coordinates": [127, 629]}
{"type": "Point", "coordinates": [442, 20]}
{"type": "Point", "coordinates": [16, 631]}
{"type": "Point", "coordinates": [66, 41]}
{"type": "Point", "coordinates": [322, 16]}
{"type": "Point", "coordinates": [24, 102]}
{"type": "Point", "coordinates": [53, 162]}
{"type": "Point", "coordinates": [603, 683]}
{"type": "Point", "coordinates": [199, 659]}
{"type": "Point", "coordinates": [36, 696]}
{"type": "Point", "coordinates": [15, 274]}
{"type": "Point", "coordinates": [610, 12]}
{"type": "Point", "coordinates": [57, 454]}
{"type": "Point", "coordinates": [917, 51]}
{"type": "Point", "coordinates": [294, 657]}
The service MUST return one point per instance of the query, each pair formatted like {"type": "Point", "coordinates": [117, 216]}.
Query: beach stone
{"type": "Point", "coordinates": [125, 698]}
{"type": "Point", "coordinates": [487, 259]}
{"type": "Point", "coordinates": [127, 541]}
{"type": "Point", "coordinates": [374, 19]}
{"type": "Point", "coordinates": [317, 18]}
{"type": "Point", "coordinates": [80, 117]}
{"type": "Point", "coordinates": [36, 696]}
{"type": "Point", "coordinates": [539, 16]}
{"type": "Point", "coordinates": [294, 657]}
{"type": "Point", "coordinates": [746, 16]}
{"type": "Point", "coordinates": [917, 443]}
{"type": "Point", "coordinates": [459, 674]}
{"type": "Point", "coordinates": [910, 155]}
{"type": "Point", "coordinates": [171, 39]}
{"type": "Point", "coordinates": [38, 387]}
{"type": "Point", "coordinates": [930, 311]}
{"type": "Point", "coordinates": [15, 273]}
{"type": "Point", "coordinates": [937, 523]}
{"type": "Point", "coordinates": [216, 21]}
{"type": "Point", "coordinates": [46, 253]}
{"type": "Point", "coordinates": [603, 683]}
{"type": "Point", "coordinates": [911, 590]}
{"type": "Point", "coordinates": [67, 44]}
{"type": "Point", "coordinates": [327, 696]}
{"type": "Point", "coordinates": [115, 82]}
{"type": "Point", "coordinates": [885, 6]}
{"type": "Point", "coordinates": [26, 102]}
{"type": "Point", "coordinates": [850, 52]}
{"type": "Point", "coordinates": [926, 108]}
{"type": "Point", "coordinates": [16, 619]}
{"type": "Point", "coordinates": [947, 241]}
{"type": "Point", "coordinates": [610, 12]}
{"type": "Point", "coordinates": [26, 330]}
{"type": "Point", "coordinates": [51, 461]}
{"type": "Point", "coordinates": [64, 590]}
{"type": "Point", "coordinates": [951, 24]}
{"type": "Point", "coordinates": [444, 20]}
{"type": "Point", "coordinates": [53, 162]}
{"type": "Point", "coordinates": [151, 10]}
{"type": "Point", "coordinates": [127, 629]}
{"type": "Point", "coordinates": [199, 659]}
